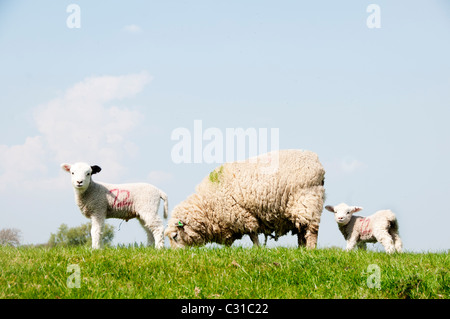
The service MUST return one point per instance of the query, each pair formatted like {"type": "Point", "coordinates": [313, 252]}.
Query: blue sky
{"type": "Point", "coordinates": [373, 103]}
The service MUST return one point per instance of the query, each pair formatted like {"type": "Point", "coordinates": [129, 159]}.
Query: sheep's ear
{"type": "Point", "coordinates": [66, 167]}
{"type": "Point", "coordinates": [330, 208]}
{"type": "Point", "coordinates": [96, 169]}
{"type": "Point", "coordinates": [356, 209]}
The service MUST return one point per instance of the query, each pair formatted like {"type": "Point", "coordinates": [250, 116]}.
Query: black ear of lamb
{"type": "Point", "coordinates": [96, 169]}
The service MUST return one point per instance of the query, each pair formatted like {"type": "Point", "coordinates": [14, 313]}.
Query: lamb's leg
{"type": "Point", "coordinates": [351, 243]}
{"type": "Point", "coordinates": [96, 230]}
{"type": "Point", "coordinates": [150, 238]}
{"type": "Point", "coordinates": [153, 223]}
{"type": "Point", "coordinates": [397, 241]}
{"type": "Point", "coordinates": [158, 233]}
{"type": "Point", "coordinates": [386, 240]}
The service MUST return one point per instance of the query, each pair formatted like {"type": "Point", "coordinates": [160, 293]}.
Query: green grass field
{"type": "Point", "coordinates": [235, 272]}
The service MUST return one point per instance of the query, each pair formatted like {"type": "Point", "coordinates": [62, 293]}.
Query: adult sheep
{"type": "Point", "coordinates": [277, 192]}
{"type": "Point", "coordinates": [98, 201]}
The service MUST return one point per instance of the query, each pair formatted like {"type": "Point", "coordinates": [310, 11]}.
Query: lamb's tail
{"type": "Point", "coordinates": [166, 203]}
{"type": "Point", "coordinates": [393, 224]}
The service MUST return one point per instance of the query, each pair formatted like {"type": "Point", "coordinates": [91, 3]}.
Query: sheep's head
{"type": "Point", "coordinates": [181, 234]}
{"type": "Point", "coordinates": [186, 226]}
{"type": "Point", "coordinates": [176, 233]}
{"type": "Point", "coordinates": [80, 174]}
{"type": "Point", "coordinates": [342, 212]}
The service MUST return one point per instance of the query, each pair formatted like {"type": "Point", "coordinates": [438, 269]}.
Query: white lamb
{"type": "Point", "coordinates": [98, 201]}
{"type": "Point", "coordinates": [380, 227]}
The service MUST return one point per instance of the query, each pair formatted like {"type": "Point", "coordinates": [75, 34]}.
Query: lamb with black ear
{"type": "Point", "coordinates": [96, 169]}
{"type": "Point", "coordinates": [99, 201]}
{"type": "Point", "coordinates": [357, 230]}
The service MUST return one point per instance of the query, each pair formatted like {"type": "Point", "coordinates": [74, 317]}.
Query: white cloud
{"type": "Point", "coordinates": [350, 165]}
{"type": "Point", "coordinates": [346, 165]}
{"type": "Point", "coordinates": [79, 126]}
{"type": "Point", "coordinates": [159, 177]}
{"type": "Point", "coordinates": [132, 28]}
{"type": "Point", "coordinates": [21, 162]}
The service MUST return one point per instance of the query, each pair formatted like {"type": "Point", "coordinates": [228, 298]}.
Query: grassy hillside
{"type": "Point", "coordinates": [220, 273]}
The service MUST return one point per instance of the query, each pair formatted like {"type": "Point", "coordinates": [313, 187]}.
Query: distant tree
{"type": "Point", "coordinates": [10, 237]}
{"type": "Point", "coordinates": [79, 236]}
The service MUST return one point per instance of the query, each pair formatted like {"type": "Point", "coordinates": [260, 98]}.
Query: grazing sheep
{"type": "Point", "coordinates": [98, 201]}
{"type": "Point", "coordinates": [277, 192]}
{"type": "Point", "coordinates": [380, 227]}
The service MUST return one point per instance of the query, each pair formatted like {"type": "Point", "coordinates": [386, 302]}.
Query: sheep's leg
{"type": "Point", "coordinates": [351, 243]}
{"type": "Point", "coordinates": [307, 236]}
{"type": "Point", "coordinates": [397, 241]}
{"type": "Point", "coordinates": [158, 233]}
{"type": "Point", "coordinates": [301, 240]}
{"type": "Point", "coordinates": [305, 215]}
{"type": "Point", "coordinates": [386, 240]}
{"type": "Point", "coordinates": [96, 230]}
{"type": "Point", "coordinates": [311, 237]}
{"type": "Point", "coordinates": [254, 238]}
{"type": "Point", "coordinates": [153, 223]}
{"type": "Point", "coordinates": [150, 238]}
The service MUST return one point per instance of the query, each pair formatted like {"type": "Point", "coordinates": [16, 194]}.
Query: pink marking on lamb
{"type": "Point", "coordinates": [365, 230]}
{"type": "Point", "coordinates": [120, 203]}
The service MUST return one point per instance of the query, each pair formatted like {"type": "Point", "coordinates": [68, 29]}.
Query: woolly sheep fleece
{"type": "Point", "coordinates": [277, 192]}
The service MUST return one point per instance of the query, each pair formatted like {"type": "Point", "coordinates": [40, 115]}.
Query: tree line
{"type": "Point", "coordinates": [65, 236]}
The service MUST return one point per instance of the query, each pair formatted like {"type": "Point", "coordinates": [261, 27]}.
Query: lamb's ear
{"type": "Point", "coordinates": [356, 209]}
{"type": "Point", "coordinates": [330, 208]}
{"type": "Point", "coordinates": [96, 169]}
{"type": "Point", "coordinates": [66, 167]}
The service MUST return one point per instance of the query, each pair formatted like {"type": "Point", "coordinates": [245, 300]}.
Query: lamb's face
{"type": "Point", "coordinates": [343, 213]}
{"type": "Point", "coordinates": [81, 174]}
